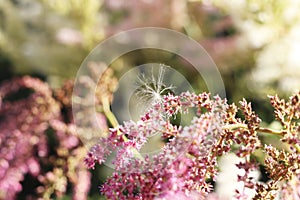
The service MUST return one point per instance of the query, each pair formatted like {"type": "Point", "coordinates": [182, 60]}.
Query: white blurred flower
{"type": "Point", "coordinates": [69, 36]}
{"type": "Point", "coordinates": [257, 35]}
{"type": "Point", "coordinates": [279, 63]}
{"type": "Point", "coordinates": [227, 181]}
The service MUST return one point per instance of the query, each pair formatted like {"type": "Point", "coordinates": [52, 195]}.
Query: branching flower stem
{"type": "Point", "coordinates": [260, 129]}
{"type": "Point", "coordinates": [114, 122]}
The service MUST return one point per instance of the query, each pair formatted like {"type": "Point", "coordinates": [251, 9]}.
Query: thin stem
{"type": "Point", "coordinates": [114, 122]}
{"type": "Point", "coordinates": [271, 131]}
{"type": "Point", "coordinates": [297, 147]}
{"type": "Point", "coordinates": [259, 129]}
{"type": "Point", "coordinates": [109, 115]}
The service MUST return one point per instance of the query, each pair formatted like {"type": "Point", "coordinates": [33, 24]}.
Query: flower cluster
{"type": "Point", "coordinates": [37, 139]}
{"type": "Point", "coordinates": [187, 165]}
{"type": "Point", "coordinates": [288, 113]}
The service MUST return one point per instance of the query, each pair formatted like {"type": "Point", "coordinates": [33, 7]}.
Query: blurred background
{"type": "Point", "coordinates": [255, 45]}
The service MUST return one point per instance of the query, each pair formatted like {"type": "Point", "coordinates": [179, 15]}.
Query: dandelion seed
{"type": "Point", "coordinates": [151, 90]}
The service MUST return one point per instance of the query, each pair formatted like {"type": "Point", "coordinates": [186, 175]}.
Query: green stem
{"type": "Point", "coordinates": [114, 122]}
{"type": "Point", "coordinates": [261, 129]}
{"type": "Point", "coordinates": [109, 115]}
{"type": "Point", "coordinates": [297, 147]}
